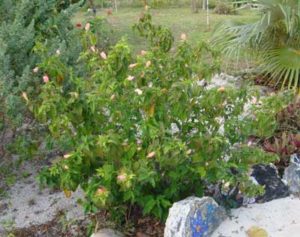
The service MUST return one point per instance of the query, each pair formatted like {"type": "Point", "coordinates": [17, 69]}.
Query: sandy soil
{"type": "Point", "coordinates": [27, 204]}
{"type": "Point", "coordinates": [280, 218]}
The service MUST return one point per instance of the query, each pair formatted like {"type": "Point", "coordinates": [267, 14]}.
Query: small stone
{"type": "Point", "coordinates": [255, 231]}
{"type": "Point", "coordinates": [194, 216]}
{"type": "Point", "coordinates": [107, 233]}
{"type": "Point", "coordinates": [292, 175]}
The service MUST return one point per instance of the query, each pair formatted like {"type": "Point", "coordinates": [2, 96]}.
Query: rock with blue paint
{"type": "Point", "coordinates": [194, 217]}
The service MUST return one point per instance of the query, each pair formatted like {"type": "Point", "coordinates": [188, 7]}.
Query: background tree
{"type": "Point", "coordinates": [274, 40]}
{"type": "Point", "coordinates": [195, 6]}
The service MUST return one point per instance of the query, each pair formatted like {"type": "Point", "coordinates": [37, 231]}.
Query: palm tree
{"type": "Point", "coordinates": [274, 40]}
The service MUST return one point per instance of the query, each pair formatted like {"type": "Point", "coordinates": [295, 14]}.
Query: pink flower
{"type": "Point", "coordinates": [93, 48]}
{"type": "Point", "coordinates": [36, 70]}
{"type": "Point", "coordinates": [151, 154]}
{"type": "Point", "coordinates": [25, 97]}
{"type": "Point", "coordinates": [183, 37]}
{"type": "Point", "coordinates": [253, 100]}
{"type": "Point", "coordinates": [121, 177]}
{"type": "Point", "coordinates": [130, 78]}
{"type": "Point", "coordinates": [138, 91]}
{"type": "Point", "coordinates": [87, 26]}
{"type": "Point", "coordinates": [101, 191]}
{"type": "Point", "coordinates": [143, 52]}
{"type": "Point", "coordinates": [103, 55]}
{"type": "Point", "coordinates": [46, 78]}
{"type": "Point", "coordinates": [148, 63]}
{"type": "Point", "coordinates": [133, 65]}
{"type": "Point", "coordinates": [66, 156]}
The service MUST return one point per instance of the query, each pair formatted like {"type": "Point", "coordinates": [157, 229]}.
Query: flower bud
{"type": "Point", "coordinates": [87, 26]}
{"type": "Point", "coordinates": [130, 78]}
{"type": "Point", "coordinates": [36, 70]}
{"type": "Point", "coordinates": [148, 63]}
{"type": "Point", "coordinates": [151, 154]}
{"type": "Point", "coordinates": [46, 78]}
{"type": "Point", "coordinates": [183, 37]}
{"type": "Point", "coordinates": [138, 91]}
{"type": "Point", "coordinates": [103, 55]}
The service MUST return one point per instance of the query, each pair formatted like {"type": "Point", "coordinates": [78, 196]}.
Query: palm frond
{"type": "Point", "coordinates": [274, 38]}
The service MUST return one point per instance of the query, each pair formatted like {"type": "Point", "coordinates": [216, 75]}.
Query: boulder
{"type": "Point", "coordinates": [107, 233]}
{"type": "Point", "coordinates": [292, 174]}
{"type": "Point", "coordinates": [267, 176]}
{"type": "Point", "coordinates": [194, 217]}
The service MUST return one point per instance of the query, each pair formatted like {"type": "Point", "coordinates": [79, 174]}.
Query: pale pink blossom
{"type": "Point", "coordinates": [151, 154]}
{"type": "Point", "coordinates": [133, 65]}
{"type": "Point", "coordinates": [103, 55]}
{"type": "Point", "coordinates": [138, 91]}
{"type": "Point", "coordinates": [66, 156]}
{"type": "Point", "coordinates": [148, 63]}
{"type": "Point", "coordinates": [226, 185]}
{"type": "Point", "coordinates": [143, 52]}
{"type": "Point", "coordinates": [121, 177]}
{"type": "Point", "coordinates": [93, 48]}
{"type": "Point", "coordinates": [130, 78]}
{"type": "Point", "coordinates": [87, 26]}
{"type": "Point", "coordinates": [101, 191]}
{"type": "Point", "coordinates": [46, 78]}
{"type": "Point", "coordinates": [183, 37]}
{"type": "Point", "coordinates": [36, 70]}
{"type": "Point", "coordinates": [254, 100]}
{"type": "Point", "coordinates": [25, 97]}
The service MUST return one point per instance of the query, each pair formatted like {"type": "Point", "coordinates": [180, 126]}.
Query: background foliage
{"type": "Point", "coordinates": [274, 40]}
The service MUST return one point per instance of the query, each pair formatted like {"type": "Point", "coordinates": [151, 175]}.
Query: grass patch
{"type": "Point", "coordinates": [179, 20]}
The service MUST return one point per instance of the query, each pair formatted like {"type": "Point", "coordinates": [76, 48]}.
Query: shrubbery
{"type": "Point", "coordinates": [224, 9]}
{"type": "Point", "coordinates": [30, 32]}
{"type": "Point", "coordinates": [139, 131]}
{"type": "Point", "coordinates": [24, 24]}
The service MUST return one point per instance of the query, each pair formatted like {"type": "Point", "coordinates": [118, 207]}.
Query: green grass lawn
{"type": "Point", "coordinates": [179, 20]}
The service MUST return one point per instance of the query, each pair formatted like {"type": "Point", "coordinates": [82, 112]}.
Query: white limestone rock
{"type": "Point", "coordinates": [194, 217]}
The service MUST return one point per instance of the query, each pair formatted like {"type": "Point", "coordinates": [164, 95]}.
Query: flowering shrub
{"type": "Point", "coordinates": [139, 130]}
